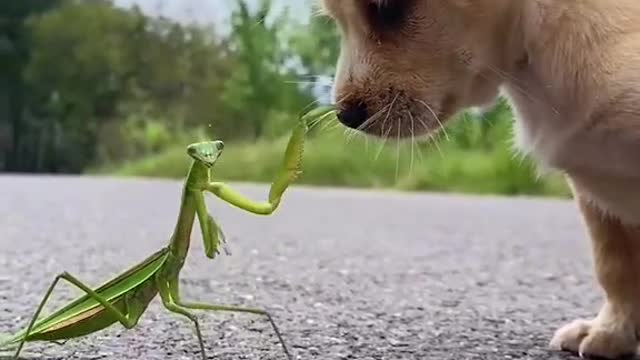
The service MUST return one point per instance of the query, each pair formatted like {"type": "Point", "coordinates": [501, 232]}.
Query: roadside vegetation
{"type": "Point", "coordinates": [94, 88]}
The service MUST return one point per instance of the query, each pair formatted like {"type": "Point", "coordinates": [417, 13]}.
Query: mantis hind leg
{"type": "Point", "coordinates": [120, 316]}
{"type": "Point", "coordinates": [173, 288]}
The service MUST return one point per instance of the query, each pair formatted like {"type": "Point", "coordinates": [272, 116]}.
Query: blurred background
{"type": "Point", "coordinates": [120, 87]}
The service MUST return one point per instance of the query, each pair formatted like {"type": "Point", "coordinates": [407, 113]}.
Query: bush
{"type": "Point", "coordinates": [476, 158]}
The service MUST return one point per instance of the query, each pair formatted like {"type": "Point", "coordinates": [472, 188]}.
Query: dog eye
{"type": "Point", "coordinates": [387, 15]}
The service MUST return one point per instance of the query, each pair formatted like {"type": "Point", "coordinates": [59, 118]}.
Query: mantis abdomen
{"type": "Point", "coordinates": [86, 323]}
{"type": "Point", "coordinates": [132, 305]}
{"type": "Point", "coordinates": [127, 297]}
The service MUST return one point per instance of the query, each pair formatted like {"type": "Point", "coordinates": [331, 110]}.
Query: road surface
{"type": "Point", "coordinates": [348, 274]}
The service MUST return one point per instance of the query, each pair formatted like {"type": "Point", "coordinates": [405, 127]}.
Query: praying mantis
{"type": "Point", "coordinates": [126, 298]}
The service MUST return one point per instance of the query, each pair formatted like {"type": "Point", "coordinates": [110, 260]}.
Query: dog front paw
{"type": "Point", "coordinates": [570, 336]}
{"type": "Point", "coordinates": [595, 339]}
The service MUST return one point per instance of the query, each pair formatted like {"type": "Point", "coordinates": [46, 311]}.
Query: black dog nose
{"type": "Point", "coordinates": [353, 115]}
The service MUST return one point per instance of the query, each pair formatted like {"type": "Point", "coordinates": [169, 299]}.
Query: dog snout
{"type": "Point", "coordinates": [353, 114]}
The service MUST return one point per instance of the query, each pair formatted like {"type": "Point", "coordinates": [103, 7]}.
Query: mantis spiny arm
{"type": "Point", "coordinates": [212, 234]}
{"type": "Point", "coordinates": [290, 170]}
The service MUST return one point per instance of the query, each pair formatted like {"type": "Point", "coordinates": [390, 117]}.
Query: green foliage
{"type": "Point", "coordinates": [94, 66]}
{"type": "Point", "coordinates": [15, 46]}
{"type": "Point", "coordinates": [138, 134]}
{"type": "Point", "coordinates": [491, 131]}
{"type": "Point", "coordinates": [261, 86]}
{"type": "Point", "coordinates": [333, 160]}
{"type": "Point", "coordinates": [82, 94]}
{"type": "Point", "coordinates": [317, 45]}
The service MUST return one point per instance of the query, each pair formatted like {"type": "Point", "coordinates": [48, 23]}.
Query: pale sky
{"type": "Point", "coordinates": [207, 11]}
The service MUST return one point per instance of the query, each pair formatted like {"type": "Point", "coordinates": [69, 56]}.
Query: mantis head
{"type": "Point", "coordinates": [206, 152]}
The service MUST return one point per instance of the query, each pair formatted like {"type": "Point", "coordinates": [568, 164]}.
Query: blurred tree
{"type": "Point", "coordinates": [87, 82]}
{"type": "Point", "coordinates": [181, 71]}
{"type": "Point", "coordinates": [98, 70]}
{"type": "Point", "coordinates": [317, 44]}
{"type": "Point", "coordinates": [14, 55]}
{"type": "Point", "coordinates": [79, 71]}
{"type": "Point", "coordinates": [262, 85]}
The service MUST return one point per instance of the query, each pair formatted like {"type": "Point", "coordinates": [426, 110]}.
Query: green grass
{"type": "Point", "coordinates": [473, 157]}
{"type": "Point", "coordinates": [475, 160]}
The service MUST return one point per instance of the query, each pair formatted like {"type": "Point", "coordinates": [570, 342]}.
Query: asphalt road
{"type": "Point", "coordinates": [348, 274]}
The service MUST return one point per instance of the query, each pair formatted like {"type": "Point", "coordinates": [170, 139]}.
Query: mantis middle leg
{"type": "Point", "coordinates": [173, 288]}
{"type": "Point", "coordinates": [169, 303]}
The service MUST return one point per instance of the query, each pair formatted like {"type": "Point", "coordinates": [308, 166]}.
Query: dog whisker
{"type": "Point", "coordinates": [326, 125]}
{"type": "Point", "coordinates": [367, 124]}
{"type": "Point", "coordinates": [348, 134]}
{"type": "Point", "coordinates": [321, 119]}
{"type": "Point", "coordinates": [384, 139]}
{"type": "Point", "coordinates": [436, 117]}
{"type": "Point", "coordinates": [329, 126]}
{"type": "Point", "coordinates": [311, 104]}
{"type": "Point", "coordinates": [358, 131]}
{"type": "Point", "coordinates": [398, 150]}
{"type": "Point", "coordinates": [434, 141]}
{"type": "Point", "coordinates": [385, 136]}
{"type": "Point", "coordinates": [345, 97]}
{"type": "Point", "coordinates": [517, 85]}
{"type": "Point", "coordinates": [413, 140]}
{"type": "Point", "coordinates": [336, 125]}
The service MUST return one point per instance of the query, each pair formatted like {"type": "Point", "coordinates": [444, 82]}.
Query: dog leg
{"type": "Point", "coordinates": [616, 254]}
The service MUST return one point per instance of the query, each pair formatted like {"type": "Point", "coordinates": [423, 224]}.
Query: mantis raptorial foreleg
{"type": "Point", "coordinates": [231, 196]}
{"type": "Point", "coordinates": [289, 171]}
{"type": "Point", "coordinates": [212, 235]}
{"type": "Point", "coordinates": [120, 316]}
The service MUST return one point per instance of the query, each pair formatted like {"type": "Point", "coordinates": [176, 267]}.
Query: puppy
{"type": "Point", "coordinates": [571, 70]}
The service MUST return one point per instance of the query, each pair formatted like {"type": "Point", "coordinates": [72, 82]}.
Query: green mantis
{"type": "Point", "coordinates": [125, 298]}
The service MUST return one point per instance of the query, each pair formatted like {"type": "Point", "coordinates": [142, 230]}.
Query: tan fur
{"type": "Point", "coordinates": [571, 70]}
